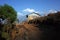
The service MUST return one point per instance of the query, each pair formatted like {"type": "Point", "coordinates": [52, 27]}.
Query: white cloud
{"type": "Point", "coordinates": [52, 11]}
{"type": "Point", "coordinates": [29, 10]}
{"type": "Point", "coordinates": [19, 14]}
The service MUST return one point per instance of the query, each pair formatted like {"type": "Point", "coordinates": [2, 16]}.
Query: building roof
{"type": "Point", "coordinates": [35, 13]}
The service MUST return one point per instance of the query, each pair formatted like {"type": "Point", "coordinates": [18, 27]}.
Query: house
{"type": "Point", "coordinates": [32, 16]}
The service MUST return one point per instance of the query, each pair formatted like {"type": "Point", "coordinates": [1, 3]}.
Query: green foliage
{"type": "Point", "coordinates": [5, 35]}
{"type": "Point", "coordinates": [7, 11]}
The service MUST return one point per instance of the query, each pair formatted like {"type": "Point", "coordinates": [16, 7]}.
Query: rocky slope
{"type": "Point", "coordinates": [25, 31]}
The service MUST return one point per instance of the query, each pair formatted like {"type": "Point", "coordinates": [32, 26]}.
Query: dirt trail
{"type": "Point", "coordinates": [25, 31]}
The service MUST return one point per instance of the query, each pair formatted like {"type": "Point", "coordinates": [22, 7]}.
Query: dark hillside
{"type": "Point", "coordinates": [50, 24]}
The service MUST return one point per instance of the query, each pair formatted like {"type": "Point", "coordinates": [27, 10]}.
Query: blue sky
{"type": "Point", "coordinates": [41, 6]}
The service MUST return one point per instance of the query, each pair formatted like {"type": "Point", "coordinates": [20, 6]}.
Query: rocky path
{"type": "Point", "coordinates": [25, 31]}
